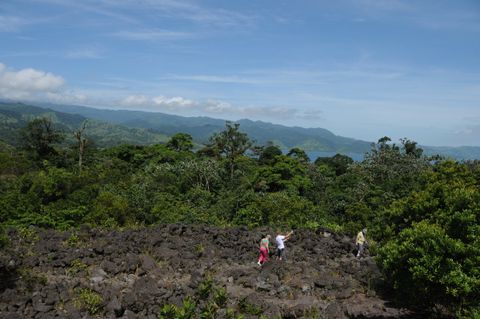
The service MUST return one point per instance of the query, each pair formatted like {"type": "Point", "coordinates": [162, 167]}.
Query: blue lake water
{"type": "Point", "coordinates": [313, 155]}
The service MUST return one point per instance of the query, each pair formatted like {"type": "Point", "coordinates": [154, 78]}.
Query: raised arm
{"type": "Point", "coordinates": [287, 236]}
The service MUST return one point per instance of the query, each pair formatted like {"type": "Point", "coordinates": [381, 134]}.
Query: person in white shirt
{"type": "Point", "coordinates": [280, 239]}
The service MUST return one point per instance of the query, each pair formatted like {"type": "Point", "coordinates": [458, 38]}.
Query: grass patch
{"type": "Point", "coordinates": [31, 279]}
{"type": "Point", "coordinates": [76, 266]}
{"type": "Point", "coordinates": [89, 300]}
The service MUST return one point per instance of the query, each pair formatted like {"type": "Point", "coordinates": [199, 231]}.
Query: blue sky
{"type": "Point", "coordinates": [361, 68]}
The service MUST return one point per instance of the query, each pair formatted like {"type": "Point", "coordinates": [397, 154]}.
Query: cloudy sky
{"type": "Point", "coordinates": [361, 68]}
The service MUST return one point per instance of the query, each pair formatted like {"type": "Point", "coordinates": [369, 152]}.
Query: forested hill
{"type": "Point", "coordinates": [15, 116]}
{"type": "Point", "coordinates": [113, 127]}
{"type": "Point", "coordinates": [201, 128]}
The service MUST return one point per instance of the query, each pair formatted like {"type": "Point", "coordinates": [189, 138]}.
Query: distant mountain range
{"type": "Point", "coordinates": [201, 128]}
{"type": "Point", "coordinates": [113, 127]}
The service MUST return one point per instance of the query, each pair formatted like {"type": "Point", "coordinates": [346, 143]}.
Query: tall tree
{"type": "Point", "coordinates": [298, 154]}
{"type": "Point", "coordinates": [268, 153]}
{"type": "Point", "coordinates": [39, 138]}
{"type": "Point", "coordinates": [231, 143]}
{"type": "Point", "coordinates": [410, 148]}
{"type": "Point", "coordinates": [82, 141]}
{"type": "Point", "coordinates": [180, 142]}
{"type": "Point", "coordinates": [338, 162]}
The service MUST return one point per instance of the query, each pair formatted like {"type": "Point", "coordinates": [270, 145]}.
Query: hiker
{"type": "Point", "coordinates": [361, 241]}
{"type": "Point", "coordinates": [280, 239]}
{"type": "Point", "coordinates": [264, 250]}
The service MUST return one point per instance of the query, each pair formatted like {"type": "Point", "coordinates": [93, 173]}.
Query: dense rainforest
{"type": "Point", "coordinates": [422, 213]}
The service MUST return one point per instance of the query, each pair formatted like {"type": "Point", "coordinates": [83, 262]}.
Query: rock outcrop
{"type": "Point", "coordinates": [90, 273]}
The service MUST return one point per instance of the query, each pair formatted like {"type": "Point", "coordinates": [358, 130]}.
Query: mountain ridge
{"type": "Point", "coordinates": [141, 127]}
{"type": "Point", "coordinates": [201, 128]}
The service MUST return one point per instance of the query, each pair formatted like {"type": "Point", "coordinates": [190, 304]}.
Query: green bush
{"type": "Point", "coordinates": [279, 209]}
{"type": "Point", "coordinates": [90, 300]}
{"type": "Point", "coordinates": [426, 266]}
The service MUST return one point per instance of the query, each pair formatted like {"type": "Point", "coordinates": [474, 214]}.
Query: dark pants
{"type": "Point", "coordinates": [280, 253]}
{"type": "Point", "coordinates": [360, 248]}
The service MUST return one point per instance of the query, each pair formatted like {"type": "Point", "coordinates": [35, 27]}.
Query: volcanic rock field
{"type": "Point", "coordinates": [90, 273]}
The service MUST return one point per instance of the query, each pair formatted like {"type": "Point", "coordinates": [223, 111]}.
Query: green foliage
{"type": "Point", "coordinates": [268, 154]}
{"type": "Point", "coordinates": [39, 138]}
{"type": "Point", "coordinates": [220, 297]}
{"type": "Point", "coordinates": [248, 308]}
{"type": "Point", "coordinates": [431, 267]}
{"type": "Point", "coordinates": [90, 300]}
{"type": "Point", "coordinates": [199, 248]}
{"type": "Point", "coordinates": [170, 209]}
{"type": "Point", "coordinates": [110, 207]}
{"type": "Point", "coordinates": [299, 155]}
{"type": "Point", "coordinates": [180, 142]}
{"type": "Point", "coordinates": [432, 248]}
{"type": "Point", "coordinates": [75, 267]}
{"type": "Point", "coordinates": [278, 209]}
{"type": "Point", "coordinates": [423, 214]}
{"type": "Point", "coordinates": [12, 162]}
{"type": "Point", "coordinates": [169, 311]}
{"type": "Point", "coordinates": [28, 234]}
{"type": "Point", "coordinates": [339, 163]}
{"type": "Point", "coordinates": [72, 241]}
{"type": "Point", "coordinates": [205, 288]}
{"type": "Point", "coordinates": [51, 184]}
{"type": "Point", "coordinates": [231, 143]}
{"type": "Point", "coordinates": [209, 300]}
{"type": "Point", "coordinates": [208, 311]}
{"type": "Point", "coordinates": [285, 173]}
{"type": "Point", "coordinates": [31, 278]}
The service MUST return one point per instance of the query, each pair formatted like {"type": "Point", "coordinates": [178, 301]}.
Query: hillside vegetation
{"type": "Point", "coordinates": [14, 117]}
{"type": "Point", "coordinates": [422, 214]}
{"type": "Point", "coordinates": [201, 128]}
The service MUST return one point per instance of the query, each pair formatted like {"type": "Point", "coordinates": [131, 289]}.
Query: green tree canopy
{"type": "Point", "coordinates": [181, 142]}
{"type": "Point", "coordinates": [39, 138]}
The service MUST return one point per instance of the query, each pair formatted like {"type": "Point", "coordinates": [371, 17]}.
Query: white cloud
{"type": "Point", "coordinates": [28, 82]}
{"type": "Point", "coordinates": [35, 85]}
{"type": "Point", "coordinates": [135, 100]}
{"type": "Point", "coordinates": [218, 107]}
{"type": "Point", "coordinates": [66, 97]}
{"type": "Point", "coordinates": [173, 102]}
{"type": "Point", "coordinates": [214, 107]}
{"type": "Point", "coordinates": [159, 103]}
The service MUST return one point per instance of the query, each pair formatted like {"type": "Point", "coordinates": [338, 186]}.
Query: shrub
{"type": "Point", "coordinates": [90, 300]}
{"type": "Point", "coordinates": [426, 266]}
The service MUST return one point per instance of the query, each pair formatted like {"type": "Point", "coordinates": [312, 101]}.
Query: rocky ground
{"type": "Point", "coordinates": [132, 274]}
